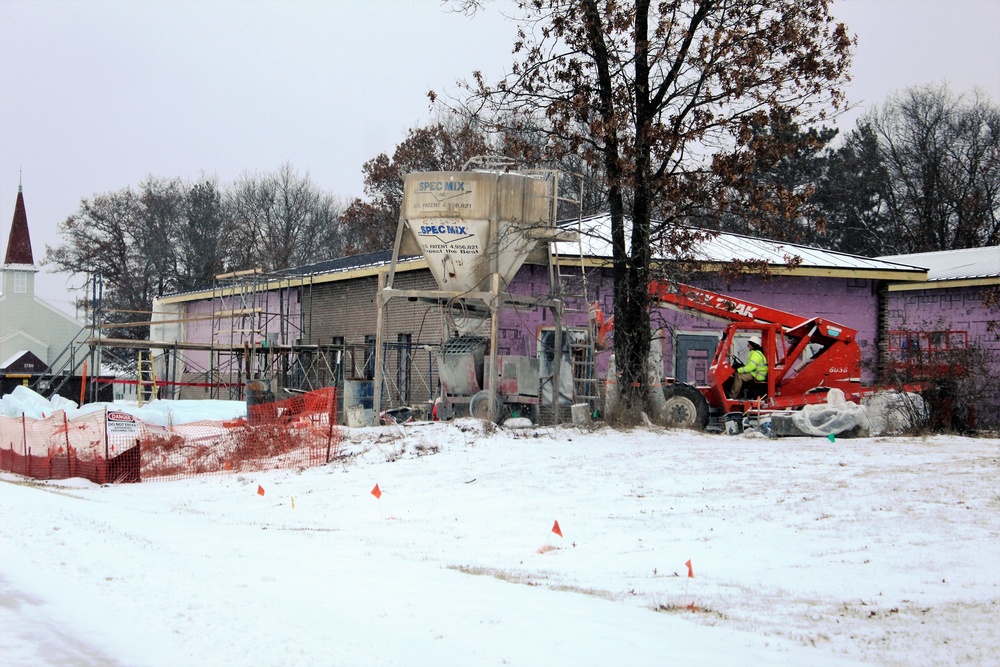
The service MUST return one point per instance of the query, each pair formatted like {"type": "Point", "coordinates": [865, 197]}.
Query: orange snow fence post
{"type": "Point", "coordinates": [83, 383]}
{"type": "Point", "coordinates": [260, 490]}
{"type": "Point", "coordinates": [690, 569]}
{"type": "Point", "coordinates": [556, 529]}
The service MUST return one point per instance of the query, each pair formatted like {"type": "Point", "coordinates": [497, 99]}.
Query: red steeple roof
{"type": "Point", "coordinates": [19, 242]}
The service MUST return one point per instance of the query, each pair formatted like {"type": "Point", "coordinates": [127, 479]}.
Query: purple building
{"type": "Point", "coordinates": [957, 305]}
{"type": "Point", "coordinates": [332, 305]}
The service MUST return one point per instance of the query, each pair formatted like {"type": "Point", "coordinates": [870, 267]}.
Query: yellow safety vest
{"type": "Point", "coordinates": [756, 365]}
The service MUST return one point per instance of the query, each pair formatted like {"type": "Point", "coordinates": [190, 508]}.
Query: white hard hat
{"type": "Point", "coordinates": [755, 340]}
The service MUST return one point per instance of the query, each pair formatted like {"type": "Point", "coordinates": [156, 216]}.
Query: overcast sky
{"type": "Point", "coordinates": [97, 94]}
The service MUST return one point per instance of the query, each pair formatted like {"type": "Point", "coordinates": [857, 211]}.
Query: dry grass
{"type": "Point", "coordinates": [527, 579]}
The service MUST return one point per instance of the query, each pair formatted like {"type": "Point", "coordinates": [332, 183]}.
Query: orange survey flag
{"type": "Point", "coordinates": [690, 569]}
{"type": "Point", "coordinates": [377, 492]}
{"type": "Point", "coordinates": [556, 529]}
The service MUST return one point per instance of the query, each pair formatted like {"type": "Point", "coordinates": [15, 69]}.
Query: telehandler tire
{"type": "Point", "coordinates": [686, 407]}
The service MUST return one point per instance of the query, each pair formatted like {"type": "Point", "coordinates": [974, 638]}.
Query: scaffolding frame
{"type": "Point", "coordinates": [256, 337]}
{"type": "Point", "coordinates": [254, 333]}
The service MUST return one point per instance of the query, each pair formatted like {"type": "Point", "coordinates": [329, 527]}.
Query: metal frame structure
{"type": "Point", "coordinates": [240, 347]}
{"type": "Point", "coordinates": [494, 298]}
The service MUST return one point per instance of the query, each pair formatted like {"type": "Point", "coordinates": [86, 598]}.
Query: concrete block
{"type": "Point", "coordinates": [580, 413]}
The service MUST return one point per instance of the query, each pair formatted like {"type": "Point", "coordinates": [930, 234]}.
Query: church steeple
{"type": "Point", "coordinates": [19, 242]}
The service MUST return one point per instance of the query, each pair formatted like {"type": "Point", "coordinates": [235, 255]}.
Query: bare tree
{"type": "Point", "coordinates": [281, 220]}
{"type": "Point", "coordinates": [169, 235]}
{"type": "Point", "coordinates": [941, 155]}
{"type": "Point", "coordinates": [157, 230]}
{"type": "Point", "coordinates": [663, 97]}
{"type": "Point", "coordinates": [104, 237]}
{"type": "Point", "coordinates": [203, 237]}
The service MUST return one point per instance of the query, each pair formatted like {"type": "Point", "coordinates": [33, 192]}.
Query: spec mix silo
{"type": "Point", "coordinates": [471, 224]}
{"type": "Point", "coordinates": [475, 229]}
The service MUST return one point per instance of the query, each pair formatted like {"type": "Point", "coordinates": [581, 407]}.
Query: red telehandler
{"type": "Point", "coordinates": [806, 357]}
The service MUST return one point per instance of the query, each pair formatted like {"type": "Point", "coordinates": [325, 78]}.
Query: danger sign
{"type": "Point", "coordinates": [122, 423]}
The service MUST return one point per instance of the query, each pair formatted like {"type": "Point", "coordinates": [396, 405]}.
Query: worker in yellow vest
{"type": "Point", "coordinates": [754, 369]}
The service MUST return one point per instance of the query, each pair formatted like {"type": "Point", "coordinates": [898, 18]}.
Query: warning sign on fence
{"type": "Point", "coordinates": [122, 423]}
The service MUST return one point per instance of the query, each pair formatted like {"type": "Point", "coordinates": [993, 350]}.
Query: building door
{"type": "Point", "coordinates": [693, 355]}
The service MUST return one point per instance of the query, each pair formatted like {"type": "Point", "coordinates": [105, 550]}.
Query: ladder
{"type": "Point", "coordinates": [585, 384]}
{"type": "Point", "coordinates": [582, 353]}
{"type": "Point", "coordinates": [146, 387]}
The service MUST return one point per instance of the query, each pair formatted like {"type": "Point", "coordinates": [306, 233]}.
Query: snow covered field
{"type": "Point", "coordinates": [804, 552]}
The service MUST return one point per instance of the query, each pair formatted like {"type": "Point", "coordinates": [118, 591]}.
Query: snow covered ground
{"type": "Point", "coordinates": [804, 552]}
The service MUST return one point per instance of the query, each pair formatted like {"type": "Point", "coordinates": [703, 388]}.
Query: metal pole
{"type": "Point", "coordinates": [380, 315]}
{"type": "Point", "coordinates": [491, 369]}
{"type": "Point", "coordinates": [494, 232]}
{"type": "Point", "coordinates": [556, 359]}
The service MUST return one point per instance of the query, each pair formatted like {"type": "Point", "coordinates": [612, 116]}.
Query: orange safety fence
{"type": "Point", "coordinates": [114, 446]}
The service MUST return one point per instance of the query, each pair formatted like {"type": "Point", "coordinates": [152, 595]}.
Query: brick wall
{"type": "Point", "coordinates": [959, 309]}
{"type": "Point", "coordinates": [346, 310]}
{"type": "Point", "coordinates": [851, 302]}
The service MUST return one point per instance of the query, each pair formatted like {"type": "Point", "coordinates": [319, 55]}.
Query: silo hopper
{"type": "Point", "coordinates": [471, 224]}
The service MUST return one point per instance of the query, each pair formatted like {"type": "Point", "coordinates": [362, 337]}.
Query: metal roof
{"type": "Point", "coordinates": [305, 273]}
{"type": "Point", "coordinates": [965, 264]}
{"type": "Point", "coordinates": [718, 247]}
{"type": "Point", "coordinates": [339, 264]}
{"type": "Point", "coordinates": [722, 247]}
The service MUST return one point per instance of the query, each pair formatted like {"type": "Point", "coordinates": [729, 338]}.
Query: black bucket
{"type": "Point", "coordinates": [734, 423]}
